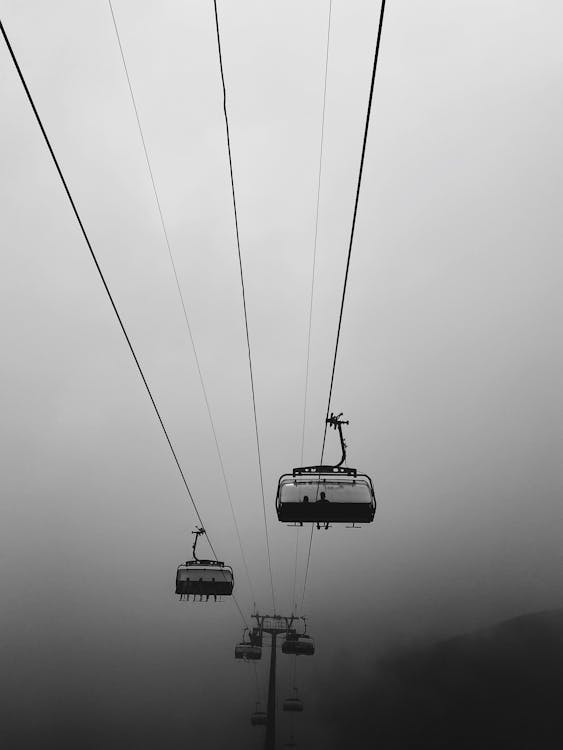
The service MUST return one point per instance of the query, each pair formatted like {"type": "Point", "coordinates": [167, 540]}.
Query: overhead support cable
{"type": "Point", "coordinates": [293, 604]}
{"type": "Point", "coordinates": [316, 235]}
{"type": "Point", "coordinates": [104, 282]}
{"type": "Point", "coordinates": [243, 618]}
{"type": "Point", "coordinates": [352, 231]}
{"type": "Point", "coordinates": [182, 301]}
{"type": "Point", "coordinates": [244, 304]}
{"type": "Point", "coordinates": [308, 563]}
{"type": "Point", "coordinates": [353, 228]}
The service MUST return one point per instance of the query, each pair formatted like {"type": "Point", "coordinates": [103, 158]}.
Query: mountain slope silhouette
{"type": "Point", "coordinates": [500, 687]}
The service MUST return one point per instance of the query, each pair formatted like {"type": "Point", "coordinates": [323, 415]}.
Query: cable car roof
{"type": "Point", "coordinates": [211, 564]}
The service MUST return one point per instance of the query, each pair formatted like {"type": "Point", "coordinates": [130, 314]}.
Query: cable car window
{"type": "Point", "coordinates": [296, 490]}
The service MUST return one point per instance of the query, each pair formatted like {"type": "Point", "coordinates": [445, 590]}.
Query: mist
{"type": "Point", "coordinates": [449, 367]}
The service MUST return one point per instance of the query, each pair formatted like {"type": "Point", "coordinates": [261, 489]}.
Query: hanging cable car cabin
{"type": "Point", "coordinates": [298, 645]}
{"type": "Point", "coordinates": [326, 494]}
{"type": "Point", "coordinates": [248, 652]}
{"type": "Point", "coordinates": [293, 704]}
{"type": "Point", "coordinates": [251, 649]}
{"type": "Point", "coordinates": [259, 718]}
{"type": "Point", "coordinates": [203, 579]}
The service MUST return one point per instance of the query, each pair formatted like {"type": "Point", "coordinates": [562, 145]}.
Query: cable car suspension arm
{"type": "Point", "coordinates": [336, 422]}
{"type": "Point", "coordinates": [199, 530]}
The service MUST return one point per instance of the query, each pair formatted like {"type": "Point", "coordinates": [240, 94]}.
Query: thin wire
{"type": "Point", "coordinates": [104, 282]}
{"type": "Point", "coordinates": [366, 129]}
{"type": "Point", "coordinates": [244, 304]}
{"type": "Point", "coordinates": [308, 562]}
{"type": "Point", "coordinates": [312, 292]}
{"type": "Point", "coordinates": [258, 692]}
{"type": "Point", "coordinates": [188, 327]}
{"type": "Point", "coordinates": [316, 234]}
{"type": "Point", "coordinates": [240, 612]}
{"type": "Point", "coordinates": [293, 601]}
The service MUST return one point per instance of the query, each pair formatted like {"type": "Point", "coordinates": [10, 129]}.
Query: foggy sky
{"type": "Point", "coordinates": [450, 360]}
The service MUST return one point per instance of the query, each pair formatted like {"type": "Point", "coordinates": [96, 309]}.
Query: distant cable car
{"type": "Point", "coordinates": [248, 652]}
{"type": "Point", "coordinates": [298, 644]}
{"type": "Point", "coordinates": [326, 494]}
{"type": "Point", "coordinates": [256, 636]}
{"type": "Point", "coordinates": [203, 579]}
{"type": "Point", "coordinates": [251, 649]}
{"type": "Point", "coordinates": [259, 718]}
{"type": "Point", "coordinates": [293, 704]}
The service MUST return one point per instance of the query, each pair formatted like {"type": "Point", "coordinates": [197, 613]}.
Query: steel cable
{"type": "Point", "coordinates": [104, 282]}
{"type": "Point", "coordinates": [316, 234]}
{"type": "Point", "coordinates": [181, 296]}
{"type": "Point", "coordinates": [293, 602]}
{"type": "Point", "coordinates": [244, 303]}
{"type": "Point", "coordinates": [344, 288]}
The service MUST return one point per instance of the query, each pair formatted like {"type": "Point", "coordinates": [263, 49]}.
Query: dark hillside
{"type": "Point", "coordinates": [496, 688]}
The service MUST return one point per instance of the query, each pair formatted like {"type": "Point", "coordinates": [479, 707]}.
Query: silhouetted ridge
{"type": "Point", "coordinates": [500, 687]}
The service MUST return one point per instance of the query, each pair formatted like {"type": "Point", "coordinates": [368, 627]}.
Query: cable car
{"type": "Point", "coordinates": [251, 649]}
{"type": "Point", "coordinates": [326, 494]}
{"type": "Point", "coordinates": [298, 644]}
{"type": "Point", "coordinates": [256, 636]}
{"type": "Point", "coordinates": [248, 652]}
{"type": "Point", "coordinates": [293, 704]}
{"type": "Point", "coordinates": [203, 579]}
{"type": "Point", "coordinates": [259, 718]}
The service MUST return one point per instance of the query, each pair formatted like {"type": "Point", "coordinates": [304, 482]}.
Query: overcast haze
{"type": "Point", "coordinates": [449, 369]}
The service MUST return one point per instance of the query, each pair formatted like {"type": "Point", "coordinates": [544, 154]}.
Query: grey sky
{"type": "Point", "coordinates": [450, 363]}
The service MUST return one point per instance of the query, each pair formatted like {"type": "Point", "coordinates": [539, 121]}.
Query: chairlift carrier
{"type": "Point", "coordinates": [293, 705]}
{"type": "Point", "coordinates": [326, 494]}
{"type": "Point", "coordinates": [259, 718]}
{"type": "Point", "coordinates": [203, 579]}
{"type": "Point", "coordinates": [251, 649]}
{"type": "Point", "coordinates": [298, 644]}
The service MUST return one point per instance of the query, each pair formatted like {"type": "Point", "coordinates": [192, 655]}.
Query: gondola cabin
{"type": "Point", "coordinates": [293, 705]}
{"type": "Point", "coordinates": [298, 645]}
{"type": "Point", "coordinates": [325, 494]}
{"type": "Point", "coordinates": [248, 651]}
{"type": "Point", "coordinates": [204, 579]}
{"type": "Point", "coordinates": [259, 718]}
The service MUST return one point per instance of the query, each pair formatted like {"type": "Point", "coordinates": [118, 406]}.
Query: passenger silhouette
{"type": "Point", "coordinates": [323, 498]}
{"type": "Point", "coordinates": [305, 498]}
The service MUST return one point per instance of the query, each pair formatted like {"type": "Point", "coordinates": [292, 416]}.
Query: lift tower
{"type": "Point", "coordinates": [272, 625]}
